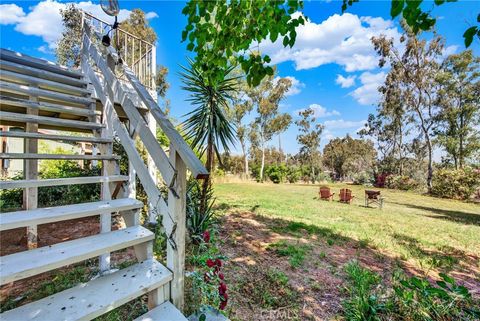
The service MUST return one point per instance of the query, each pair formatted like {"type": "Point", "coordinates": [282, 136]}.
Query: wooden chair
{"type": "Point", "coordinates": [325, 193]}
{"type": "Point", "coordinates": [373, 197]}
{"type": "Point", "coordinates": [346, 195]}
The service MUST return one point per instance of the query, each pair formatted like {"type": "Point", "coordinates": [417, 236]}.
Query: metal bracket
{"type": "Point", "coordinates": [171, 240]}
{"type": "Point", "coordinates": [171, 186]}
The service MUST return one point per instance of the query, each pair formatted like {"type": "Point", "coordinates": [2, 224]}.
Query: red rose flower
{"type": "Point", "coordinates": [222, 305]}
{"type": "Point", "coordinates": [224, 297]}
{"type": "Point", "coordinates": [221, 276]}
{"type": "Point", "coordinates": [206, 236]}
{"type": "Point", "coordinates": [218, 262]}
{"type": "Point", "coordinates": [222, 289]}
{"type": "Point", "coordinates": [210, 263]}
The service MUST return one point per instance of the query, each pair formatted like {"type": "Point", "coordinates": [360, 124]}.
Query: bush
{"type": "Point", "coordinates": [363, 178]}
{"type": "Point", "coordinates": [457, 184]}
{"type": "Point", "coordinates": [381, 179]}
{"type": "Point", "coordinates": [401, 182]}
{"type": "Point", "coordinates": [276, 173]}
{"type": "Point", "coordinates": [199, 220]}
{"type": "Point", "coordinates": [293, 174]}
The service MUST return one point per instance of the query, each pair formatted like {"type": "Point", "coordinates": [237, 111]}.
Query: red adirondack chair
{"type": "Point", "coordinates": [346, 195]}
{"type": "Point", "coordinates": [325, 193]}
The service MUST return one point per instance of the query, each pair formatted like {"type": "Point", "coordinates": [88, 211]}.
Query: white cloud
{"type": "Point", "coordinates": [45, 49]}
{"type": "Point", "coordinates": [345, 82]}
{"type": "Point", "coordinates": [368, 94]}
{"type": "Point", "coordinates": [151, 15]}
{"type": "Point", "coordinates": [296, 87]}
{"type": "Point", "coordinates": [10, 14]}
{"type": "Point", "coordinates": [343, 124]}
{"type": "Point", "coordinates": [341, 39]}
{"type": "Point", "coordinates": [44, 19]}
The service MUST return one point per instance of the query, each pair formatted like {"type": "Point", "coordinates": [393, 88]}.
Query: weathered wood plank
{"type": "Point", "coordinates": [10, 101]}
{"type": "Point", "coordinates": [129, 145]}
{"type": "Point", "coordinates": [87, 139]}
{"type": "Point", "coordinates": [31, 91]}
{"type": "Point", "coordinates": [189, 157]}
{"type": "Point", "coordinates": [39, 216]}
{"type": "Point", "coordinates": [42, 83]}
{"type": "Point", "coordinates": [61, 181]}
{"type": "Point", "coordinates": [48, 75]}
{"type": "Point", "coordinates": [24, 118]}
{"type": "Point", "coordinates": [42, 64]}
{"type": "Point", "coordinates": [22, 265]}
{"type": "Point", "coordinates": [138, 123]}
{"type": "Point", "coordinates": [56, 156]}
{"type": "Point", "coordinates": [165, 311]}
{"type": "Point", "coordinates": [177, 207]}
{"type": "Point", "coordinates": [95, 297]}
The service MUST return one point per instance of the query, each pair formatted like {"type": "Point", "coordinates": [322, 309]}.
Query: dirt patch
{"type": "Point", "coordinates": [316, 284]}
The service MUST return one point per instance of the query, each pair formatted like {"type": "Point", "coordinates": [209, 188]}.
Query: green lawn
{"type": "Point", "coordinates": [425, 231]}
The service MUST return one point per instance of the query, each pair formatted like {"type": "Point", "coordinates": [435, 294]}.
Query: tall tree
{"type": "Point", "coordinates": [309, 139]}
{"type": "Point", "coordinates": [347, 156]}
{"type": "Point", "coordinates": [459, 100]}
{"type": "Point", "coordinates": [269, 121]}
{"type": "Point", "coordinates": [239, 111]}
{"type": "Point", "coordinates": [413, 73]}
{"type": "Point", "coordinates": [68, 47]}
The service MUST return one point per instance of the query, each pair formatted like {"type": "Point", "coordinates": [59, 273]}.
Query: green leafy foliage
{"type": "Point", "coordinates": [295, 252]}
{"type": "Point", "coordinates": [363, 303]}
{"type": "Point", "coordinates": [218, 31]}
{"type": "Point", "coordinates": [200, 208]}
{"type": "Point", "coordinates": [457, 184]}
{"type": "Point", "coordinates": [401, 182]}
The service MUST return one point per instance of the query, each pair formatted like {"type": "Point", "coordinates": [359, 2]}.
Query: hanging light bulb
{"type": "Point", "coordinates": [111, 8]}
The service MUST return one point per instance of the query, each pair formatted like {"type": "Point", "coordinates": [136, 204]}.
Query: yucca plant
{"type": "Point", "coordinates": [207, 126]}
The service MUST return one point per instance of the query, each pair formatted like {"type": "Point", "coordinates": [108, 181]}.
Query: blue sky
{"type": "Point", "coordinates": [332, 65]}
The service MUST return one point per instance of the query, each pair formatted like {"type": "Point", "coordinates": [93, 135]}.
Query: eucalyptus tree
{"type": "Point", "coordinates": [459, 99]}
{"type": "Point", "coordinates": [413, 72]}
{"type": "Point", "coordinates": [266, 99]}
{"type": "Point", "coordinates": [309, 139]}
{"type": "Point", "coordinates": [68, 47]}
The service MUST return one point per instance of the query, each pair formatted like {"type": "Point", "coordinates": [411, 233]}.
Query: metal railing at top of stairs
{"type": "Point", "coordinates": [172, 167]}
{"type": "Point", "coordinates": [138, 54]}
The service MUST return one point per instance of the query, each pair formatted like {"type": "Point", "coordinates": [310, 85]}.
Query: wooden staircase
{"type": "Point", "coordinates": [94, 106]}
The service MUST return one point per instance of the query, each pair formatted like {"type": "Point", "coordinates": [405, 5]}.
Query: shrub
{"type": "Point", "coordinates": [381, 179]}
{"type": "Point", "coordinates": [276, 173]}
{"type": "Point", "coordinates": [457, 184]}
{"type": "Point", "coordinates": [401, 182]}
{"type": "Point", "coordinates": [363, 178]}
{"type": "Point", "coordinates": [293, 174]}
{"type": "Point", "coordinates": [199, 220]}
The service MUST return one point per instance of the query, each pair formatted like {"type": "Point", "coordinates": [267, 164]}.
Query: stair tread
{"type": "Point", "coordinates": [26, 118]}
{"type": "Point", "coordinates": [24, 264]}
{"type": "Point", "coordinates": [92, 299]}
{"type": "Point", "coordinates": [37, 63]}
{"type": "Point", "coordinates": [27, 183]}
{"type": "Point", "coordinates": [91, 139]}
{"type": "Point", "coordinates": [164, 312]}
{"type": "Point", "coordinates": [57, 156]}
{"type": "Point", "coordinates": [39, 216]}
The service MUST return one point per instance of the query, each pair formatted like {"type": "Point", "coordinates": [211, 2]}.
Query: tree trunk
{"type": "Point", "coordinates": [430, 164]}
{"type": "Point", "coordinates": [263, 159]}
{"type": "Point", "coordinates": [245, 160]}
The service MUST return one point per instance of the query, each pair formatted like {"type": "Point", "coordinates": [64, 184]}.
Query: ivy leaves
{"type": "Point", "coordinates": [222, 32]}
{"type": "Point", "coordinates": [471, 32]}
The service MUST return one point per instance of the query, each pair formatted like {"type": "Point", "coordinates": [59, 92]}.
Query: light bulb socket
{"type": "Point", "coordinates": [106, 41]}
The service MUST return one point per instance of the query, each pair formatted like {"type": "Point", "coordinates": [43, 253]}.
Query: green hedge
{"type": "Point", "coordinates": [456, 184]}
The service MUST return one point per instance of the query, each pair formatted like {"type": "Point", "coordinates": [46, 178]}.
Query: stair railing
{"type": "Point", "coordinates": [138, 54]}
{"type": "Point", "coordinates": [173, 168]}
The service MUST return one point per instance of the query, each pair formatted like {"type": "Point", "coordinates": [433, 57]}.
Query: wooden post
{"type": "Point", "coordinates": [176, 251]}
{"type": "Point", "coordinates": [30, 169]}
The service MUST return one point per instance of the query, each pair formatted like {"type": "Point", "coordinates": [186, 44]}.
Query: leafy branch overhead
{"type": "Point", "coordinates": [222, 32]}
{"type": "Point", "coordinates": [219, 30]}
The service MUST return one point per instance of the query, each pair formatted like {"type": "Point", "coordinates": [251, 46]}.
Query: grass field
{"type": "Point", "coordinates": [429, 232]}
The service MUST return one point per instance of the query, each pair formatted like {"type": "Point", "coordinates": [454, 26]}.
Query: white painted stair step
{"type": "Point", "coordinates": [22, 265]}
{"type": "Point", "coordinates": [92, 299]}
{"type": "Point", "coordinates": [164, 312]}
{"type": "Point", "coordinates": [39, 216]}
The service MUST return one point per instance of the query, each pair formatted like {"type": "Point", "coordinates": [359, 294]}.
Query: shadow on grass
{"type": "Point", "coordinates": [449, 215]}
